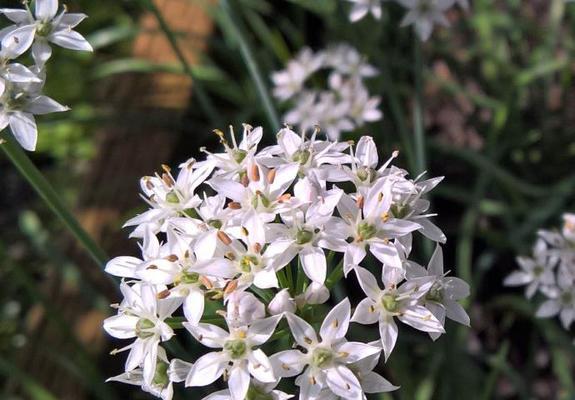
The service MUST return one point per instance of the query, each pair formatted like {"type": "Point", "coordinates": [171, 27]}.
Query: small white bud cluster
{"type": "Point", "coordinates": [344, 105]}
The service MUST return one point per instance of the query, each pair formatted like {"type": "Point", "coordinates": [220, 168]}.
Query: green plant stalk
{"type": "Point", "coordinates": [335, 275]}
{"type": "Point", "coordinates": [236, 32]}
{"type": "Point", "coordinates": [203, 98]}
{"type": "Point", "coordinates": [35, 178]}
{"type": "Point", "coordinates": [419, 134]}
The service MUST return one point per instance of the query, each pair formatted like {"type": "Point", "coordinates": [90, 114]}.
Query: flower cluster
{"type": "Point", "coordinates": [264, 234]}
{"type": "Point", "coordinates": [340, 105]}
{"type": "Point", "coordinates": [422, 14]}
{"type": "Point", "coordinates": [21, 86]}
{"type": "Point", "coordinates": [551, 272]}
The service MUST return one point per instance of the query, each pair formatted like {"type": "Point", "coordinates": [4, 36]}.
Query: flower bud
{"type": "Point", "coordinates": [243, 308]}
{"type": "Point", "coordinates": [282, 302]}
{"type": "Point", "coordinates": [314, 294]}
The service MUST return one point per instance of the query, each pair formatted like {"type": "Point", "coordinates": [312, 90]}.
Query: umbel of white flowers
{"type": "Point", "coordinates": [247, 226]}
{"type": "Point", "coordinates": [551, 271]}
{"type": "Point", "coordinates": [21, 86]}
{"type": "Point", "coordinates": [344, 105]}
{"type": "Point", "coordinates": [422, 14]}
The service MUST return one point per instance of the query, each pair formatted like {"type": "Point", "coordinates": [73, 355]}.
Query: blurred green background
{"type": "Point", "coordinates": [499, 118]}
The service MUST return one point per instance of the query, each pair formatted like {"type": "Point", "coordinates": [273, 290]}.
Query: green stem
{"type": "Point", "coordinates": [203, 99]}
{"type": "Point", "coordinates": [335, 275]}
{"type": "Point", "coordinates": [419, 134]}
{"type": "Point", "coordinates": [51, 198]}
{"type": "Point", "coordinates": [236, 33]}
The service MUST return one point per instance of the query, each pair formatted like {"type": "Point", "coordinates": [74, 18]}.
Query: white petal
{"type": "Point", "coordinates": [365, 312]}
{"type": "Point", "coordinates": [70, 40]}
{"type": "Point", "coordinates": [456, 312]}
{"type": "Point", "coordinates": [386, 253]}
{"type": "Point", "coordinates": [121, 326]}
{"type": "Point", "coordinates": [314, 263]}
{"type": "Point", "coordinates": [302, 332]}
{"type": "Point", "coordinates": [549, 308]}
{"type": "Point", "coordinates": [179, 370]}
{"type": "Point", "coordinates": [41, 52]}
{"type": "Point", "coordinates": [366, 152]}
{"type": "Point", "coordinates": [16, 42]}
{"type": "Point", "coordinates": [260, 367]}
{"type": "Point", "coordinates": [24, 129]}
{"type": "Point", "coordinates": [368, 283]}
{"type": "Point", "coordinates": [357, 351]}
{"type": "Point", "coordinates": [207, 334]}
{"type": "Point", "coordinates": [123, 266]}
{"type": "Point", "coordinates": [435, 265]}
{"type": "Point", "coordinates": [431, 231]}
{"type": "Point", "coordinates": [46, 9]}
{"type": "Point", "coordinates": [375, 383]}
{"type": "Point", "coordinates": [207, 369]}
{"type": "Point", "coordinates": [44, 105]}
{"type": "Point", "coordinates": [422, 319]}
{"type": "Point", "coordinates": [266, 279]}
{"type": "Point", "coordinates": [517, 278]}
{"type": "Point", "coordinates": [388, 333]}
{"type": "Point", "coordinates": [288, 363]}
{"type": "Point", "coordinates": [289, 141]}
{"type": "Point", "coordinates": [260, 331]}
{"type": "Point", "coordinates": [239, 383]}
{"type": "Point", "coordinates": [18, 15]}
{"type": "Point", "coordinates": [336, 322]}
{"type": "Point", "coordinates": [194, 306]}
{"type": "Point", "coordinates": [344, 383]}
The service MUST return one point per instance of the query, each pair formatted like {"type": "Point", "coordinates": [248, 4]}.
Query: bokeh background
{"type": "Point", "coordinates": [499, 118]}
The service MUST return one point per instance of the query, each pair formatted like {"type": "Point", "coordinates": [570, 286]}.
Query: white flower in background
{"type": "Point", "coordinates": [551, 272]}
{"type": "Point", "coordinates": [342, 106]}
{"type": "Point", "coordinates": [253, 231]}
{"type": "Point", "coordinates": [42, 27]}
{"type": "Point", "coordinates": [403, 303]}
{"type": "Point", "coordinates": [239, 358]}
{"type": "Point", "coordinates": [361, 8]}
{"type": "Point", "coordinates": [534, 272]}
{"type": "Point", "coordinates": [326, 361]}
{"type": "Point", "coordinates": [141, 316]}
{"type": "Point", "coordinates": [424, 14]}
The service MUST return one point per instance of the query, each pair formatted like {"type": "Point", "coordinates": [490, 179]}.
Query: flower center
{"type": "Point", "coordinates": [301, 156]}
{"type": "Point", "coordinates": [400, 210]}
{"type": "Point", "coordinates": [538, 270]}
{"type": "Point", "coordinates": [215, 223]}
{"type": "Point", "coordinates": [322, 357]}
{"type": "Point", "coordinates": [366, 174]}
{"type": "Point", "coordinates": [142, 328]}
{"type": "Point", "coordinates": [303, 236]}
{"type": "Point", "coordinates": [247, 261]}
{"type": "Point", "coordinates": [190, 277]}
{"type": "Point", "coordinates": [239, 155]}
{"type": "Point", "coordinates": [389, 302]}
{"type": "Point", "coordinates": [567, 298]}
{"type": "Point", "coordinates": [366, 231]}
{"type": "Point", "coordinates": [235, 348]}
{"type": "Point", "coordinates": [435, 293]}
{"type": "Point", "coordinates": [172, 198]}
{"type": "Point", "coordinates": [44, 29]}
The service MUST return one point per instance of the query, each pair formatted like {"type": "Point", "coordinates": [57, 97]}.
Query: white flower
{"type": "Point", "coordinates": [370, 224]}
{"type": "Point", "coordinates": [561, 302]}
{"type": "Point", "coordinates": [290, 81]}
{"type": "Point", "coordinates": [141, 315]}
{"type": "Point", "coordinates": [315, 293]}
{"type": "Point", "coordinates": [423, 14]}
{"type": "Point", "coordinates": [238, 359]}
{"type": "Point", "coordinates": [535, 271]}
{"type": "Point", "coordinates": [361, 8]}
{"type": "Point", "coordinates": [41, 27]}
{"type": "Point", "coordinates": [443, 296]}
{"type": "Point", "coordinates": [326, 361]}
{"type": "Point", "coordinates": [402, 302]}
{"type": "Point", "coordinates": [243, 309]}
{"type": "Point", "coordinates": [19, 102]}
{"type": "Point", "coordinates": [161, 383]}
